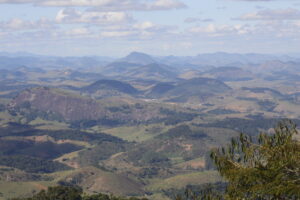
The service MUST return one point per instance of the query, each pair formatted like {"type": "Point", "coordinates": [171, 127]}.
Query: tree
{"type": "Point", "coordinates": [265, 169]}
{"type": "Point", "coordinates": [57, 193]}
{"type": "Point", "coordinates": [72, 193]}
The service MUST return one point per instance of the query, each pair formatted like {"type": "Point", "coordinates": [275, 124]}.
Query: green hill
{"type": "Point", "coordinates": [110, 86]}
{"type": "Point", "coordinates": [199, 88]}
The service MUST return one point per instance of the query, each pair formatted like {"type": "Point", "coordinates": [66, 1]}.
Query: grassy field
{"type": "Point", "coordinates": [181, 181]}
{"type": "Point", "coordinates": [4, 101]}
{"type": "Point", "coordinates": [10, 190]}
{"type": "Point", "coordinates": [221, 136]}
{"type": "Point", "coordinates": [49, 125]}
{"type": "Point", "coordinates": [291, 110]}
{"type": "Point", "coordinates": [5, 117]}
{"type": "Point", "coordinates": [137, 133]}
{"type": "Point", "coordinates": [197, 163]}
{"type": "Point", "coordinates": [94, 180]}
{"type": "Point", "coordinates": [158, 196]}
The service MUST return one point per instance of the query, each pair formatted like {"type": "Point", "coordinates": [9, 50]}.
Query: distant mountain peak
{"type": "Point", "coordinates": [137, 53]}
{"type": "Point", "coordinates": [138, 58]}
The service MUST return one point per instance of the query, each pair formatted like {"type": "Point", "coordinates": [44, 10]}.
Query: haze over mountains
{"type": "Point", "coordinates": [140, 125]}
{"type": "Point", "coordinates": [149, 99]}
{"type": "Point", "coordinates": [214, 59]}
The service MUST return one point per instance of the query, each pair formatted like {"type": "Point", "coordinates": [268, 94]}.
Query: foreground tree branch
{"type": "Point", "coordinates": [268, 169]}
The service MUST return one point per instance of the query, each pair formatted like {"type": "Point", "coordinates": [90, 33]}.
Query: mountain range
{"type": "Point", "coordinates": [140, 125]}
{"type": "Point", "coordinates": [214, 59]}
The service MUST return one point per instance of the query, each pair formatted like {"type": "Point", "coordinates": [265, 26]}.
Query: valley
{"type": "Point", "coordinates": [136, 126]}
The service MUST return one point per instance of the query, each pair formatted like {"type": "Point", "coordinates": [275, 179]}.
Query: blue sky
{"type": "Point", "coordinates": [158, 27]}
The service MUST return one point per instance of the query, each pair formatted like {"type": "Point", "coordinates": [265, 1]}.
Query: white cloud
{"type": "Point", "coordinates": [151, 27]}
{"type": "Point", "coordinates": [213, 30]}
{"type": "Point", "coordinates": [297, 23]}
{"type": "Point", "coordinates": [117, 33]}
{"type": "Point", "coordinates": [106, 5]}
{"type": "Point", "coordinates": [91, 17]}
{"type": "Point", "coordinates": [2, 34]}
{"type": "Point", "coordinates": [17, 24]}
{"type": "Point", "coordinates": [165, 5]}
{"type": "Point", "coordinates": [142, 5]}
{"type": "Point", "coordinates": [139, 31]}
{"type": "Point", "coordinates": [17, 1]}
{"type": "Point", "coordinates": [261, 0]}
{"type": "Point", "coordinates": [282, 29]}
{"type": "Point", "coordinates": [63, 3]}
{"type": "Point", "coordinates": [78, 32]}
{"type": "Point", "coordinates": [270, 30]}
{"type": "Point", "coordinates": [196, 19]}
{"type": "Point", "coordinates": [279, 14]}
{"type": "Point", "coordinates": [144, 25]}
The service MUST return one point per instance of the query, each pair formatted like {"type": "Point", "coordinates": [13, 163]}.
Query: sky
{"type": "Point", "coordinates": [159, 27]}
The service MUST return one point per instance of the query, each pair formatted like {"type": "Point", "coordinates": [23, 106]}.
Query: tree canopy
{"type": "Point", "coordinates": [265, 168]}
{"type": "Point", "coordinates": [72, 193]}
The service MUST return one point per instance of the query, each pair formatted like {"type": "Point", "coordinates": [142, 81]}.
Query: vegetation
{"type": "Point", "coordinates": [267, 105]}
{"type": "Point", "coordinates": [31, 164]}
{"type": "Point", "coordinates": [206, 191]}
{"type": "Point", "coordinates": [144, 156]}
{"type": "Point", "coordinates": [248, 126]}
{"type": "Point", "coordinates": [16, 129]}
{"type": "Point", "coordinates": [83, 124]}
{"type": "Point", "coordinates": [174, 117]}
{"type": "Point", "coordinates": [180, 181]}
{"type": "Point", "coordinates": [102, 151]}
{"type": "Point", "coordinates": [72, 193]}
{"type": "Point", "coordinates": [157, 138]}
{"type": "Point", "coordinates": [222, 112]}
{"type": "Point", "coordinates": [183, 131]}
{"type": "Point", "coordinates": [2, 107]}
{"type": "Point", "coordinates": [44, 150]}
{"type": "Point", "coordinates": [111, 85]}
{"type": "Point", "coordinates": [268, 169]}
{"type": "Point", "coordinates": [29, 113]}
{"type": "Point", "coordinates": [15, 175]}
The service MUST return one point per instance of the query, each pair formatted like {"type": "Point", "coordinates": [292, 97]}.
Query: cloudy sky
{"type": "Point", "coordinates": [158, 27]}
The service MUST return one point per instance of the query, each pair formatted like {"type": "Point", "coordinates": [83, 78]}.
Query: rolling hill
{"type": "Point", "coordinates": [61, 105]}
{"type": "Point", "coordinates": [229, 74]}
{"type": "Point", "coordinates": [160, 89]}
{"type": "Point", "coordinates": [94, 180]}
{"type": "Point", "coordinates": [183, 91]}
{"type": "Point", "coordinates": [152, 72]}
{"type": "Point", "coordinates": [107, 88]}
